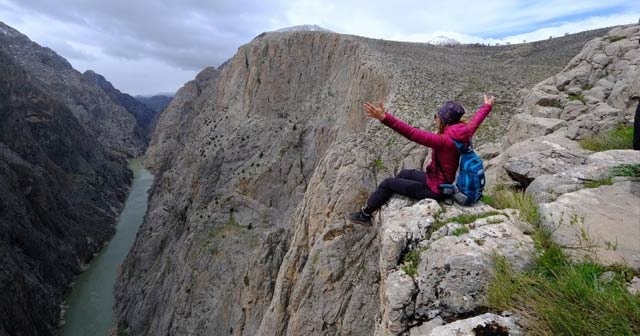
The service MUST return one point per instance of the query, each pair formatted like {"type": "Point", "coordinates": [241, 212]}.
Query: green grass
{"type": "Point", "coordinates": [558, 297]}
{"type": "Point", "coordinates": [615, 38]}
{"type": "Point", "coordinates": [577, 96]}
{"type": "Point", "coordinates": [630, 170]}
{"type": "Point", "coordinates": [410, 262]}
{"type": "Point", "coordinates": [587, 87]}
{"type": "Point", "coordinates": [620, 137]}
{"type": "Point", "coordinates": [460, 231]}
{"type": "Point", "coordinates": [470, 218]}
{"type": "Point", "coordinates": [505, 198]}
{"type": "Point", "coordinates": [597, 183]}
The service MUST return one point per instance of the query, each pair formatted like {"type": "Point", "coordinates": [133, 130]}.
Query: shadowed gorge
{"type": "Point", "coordinates": [63, 178]}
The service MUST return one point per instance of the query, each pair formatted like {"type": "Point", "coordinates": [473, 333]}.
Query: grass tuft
{"type": "Point", "coordinates": [460, 231]}
{"type": "Point", "coordinates": [505, 198]}
{"type": "Point", "coordinates": [410, 262]}
{"type": "Point", "coordinates": [558, 297]}
{"type": "Point", "coordinates": [597, 183]}
{"type": "Point", "coordinates": [577, 96]}
{"type": "Point", "coordinates": [620, 137]}
{"type": "Point", "coordinates": [615, 38]}
{"type": "Point", "coordinates": [470, 218]}
{"type": "Point", "coordinates": [630, 170]}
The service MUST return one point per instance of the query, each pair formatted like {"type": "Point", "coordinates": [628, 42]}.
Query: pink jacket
{"type": "Point", "coordinates": [443, 147]}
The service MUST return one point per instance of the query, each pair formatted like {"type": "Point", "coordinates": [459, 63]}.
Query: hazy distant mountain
{"type": "Point", "coordinates": [156, 102]}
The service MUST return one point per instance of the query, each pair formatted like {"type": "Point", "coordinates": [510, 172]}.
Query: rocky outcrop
{"type": "Point", "coordinates": [60, 191]}
{"type": "Point", "coordinates": [454, 266]}
{"type": "Point", "coordinates": [143, 115]}
{"type": "Point", "coordinates": [588, 209]}
{"type": "Point", "coordinates": [257, 162]}
{"type": "Point", "coordinates": [101, 116]}
{"type": "Point", "coordinates": [600, 222]}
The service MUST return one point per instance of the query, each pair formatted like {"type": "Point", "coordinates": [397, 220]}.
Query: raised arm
{"type": "Point", "coordinates": [481, 113]}
{"type": "Point", "coordinates": [422, 137]}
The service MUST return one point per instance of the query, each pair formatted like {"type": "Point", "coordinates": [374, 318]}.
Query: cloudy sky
{"type": "Point", "coordinates": [147, 46]}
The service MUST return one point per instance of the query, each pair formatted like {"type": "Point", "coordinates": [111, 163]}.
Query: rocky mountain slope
{"type": "Point", "coordinates": [101, 115]}
{"type": "Point", "coordinates": [63, 178]}
{"type": "Point", "coordinates": [143, 114]}
{"type": "Point", "coordinates": [157, 102]}
{"type": "Point", "coordinates": [257, 163]}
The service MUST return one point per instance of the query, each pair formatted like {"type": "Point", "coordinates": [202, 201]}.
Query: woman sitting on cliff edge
{"type": "Point", "coordinates": [415, 183]}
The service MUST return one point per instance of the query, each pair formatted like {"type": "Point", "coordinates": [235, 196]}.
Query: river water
{"type": "Point", "coordinates": [91, 299]}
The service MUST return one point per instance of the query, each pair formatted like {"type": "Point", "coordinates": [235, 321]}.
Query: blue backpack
{"type": "Point", "coordinates": [470, 180]}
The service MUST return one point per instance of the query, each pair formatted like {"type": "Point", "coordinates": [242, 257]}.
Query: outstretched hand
{"type": "Point", "coordinates": [489, 100]}
{"type": "Point", "coordinates": [372, 111]}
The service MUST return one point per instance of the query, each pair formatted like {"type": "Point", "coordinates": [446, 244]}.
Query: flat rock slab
{"type": "Point", "coordinates": [608, 215]}
{"type": "Point", "coordinates": [486, 324]}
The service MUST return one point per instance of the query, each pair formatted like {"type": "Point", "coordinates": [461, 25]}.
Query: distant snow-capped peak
{"type": "Point", "coordinates": [443, 41]}
{"type": "Point", "coordinates": [303, 28]}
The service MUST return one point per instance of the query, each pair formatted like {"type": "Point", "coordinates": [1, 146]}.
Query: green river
{"type": "Point", "coordinates": [91, 299]}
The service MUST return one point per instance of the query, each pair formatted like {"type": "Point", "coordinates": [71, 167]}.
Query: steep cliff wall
{"type": "Point", "coordinates": [64, 138]}
{"type": "Point", "coordinates": [256, 164]}
{"type": "Point", "coordinates": [60, 190]}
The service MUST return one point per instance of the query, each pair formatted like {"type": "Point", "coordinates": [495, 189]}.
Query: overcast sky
{"type": "Point", "coordinates": [148, 47]}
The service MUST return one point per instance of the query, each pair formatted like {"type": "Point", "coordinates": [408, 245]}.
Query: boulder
{"type": "Point", "coordinates": [597, 166]}
{"type": "Point", "coordinates": [401, 227]}
{"type": "Point", "coordinates": [546, 111]}
{"type": "Point", "coordinates": [524, 169]}
{"type": "Point", "coordinates": [601, 59]}
{"type": "Point", "coordinates": [485, 324]}
{"type": "Point", "coordinates": [494, 169]}
{"type": "Point", "coordinates": [573, 109]}
{"type": "Point", "coordinates": [454, 271]}
{"type": "Point", "coordinates": [546, 95]}
{"type": "Point", "coordinates": [600, 222]}
{"type": "Point", "coordinates": [601, 118]}
{"type": "Point", "coordinates": [524, 126]}
{"type": "Point", "coordinates": [426, 327]}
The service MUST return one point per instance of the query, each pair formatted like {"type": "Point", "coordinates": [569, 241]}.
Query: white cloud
{"type": "Point", "coordinates": [166, 43]}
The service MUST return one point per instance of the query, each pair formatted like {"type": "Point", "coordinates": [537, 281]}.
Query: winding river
{"type": "Point", "coordinates": [90, 302]}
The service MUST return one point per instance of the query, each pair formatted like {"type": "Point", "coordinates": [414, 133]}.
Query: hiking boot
{"type": "Point", "coordinates": [360, 217]}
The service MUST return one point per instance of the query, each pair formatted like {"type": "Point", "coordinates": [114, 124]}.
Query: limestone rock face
{"type": "Point", "coordinates": [602, 221]}
{"type": "Point", "coordinates": [258, 162]}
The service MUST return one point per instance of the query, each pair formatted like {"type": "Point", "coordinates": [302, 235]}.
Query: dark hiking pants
{"type": "Point", "coordinates": [409, 182]}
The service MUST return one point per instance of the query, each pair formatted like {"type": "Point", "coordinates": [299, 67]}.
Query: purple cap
{"type": "Point", "coordinates": [450, 112]}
